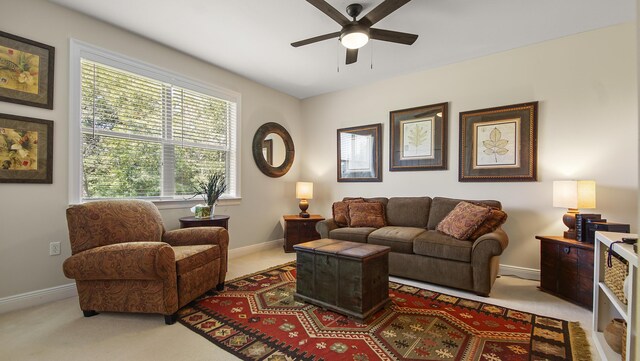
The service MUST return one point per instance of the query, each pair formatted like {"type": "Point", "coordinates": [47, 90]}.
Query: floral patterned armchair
{"type": "Point", "coordinates": [123, 259]}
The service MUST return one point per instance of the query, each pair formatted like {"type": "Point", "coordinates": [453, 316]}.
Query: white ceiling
{"type": "Point", "coordinates": [252, 37]}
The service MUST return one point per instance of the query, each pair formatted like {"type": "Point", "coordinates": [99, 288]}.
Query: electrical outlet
{"type": "Point", "coordinates": [54, 248]}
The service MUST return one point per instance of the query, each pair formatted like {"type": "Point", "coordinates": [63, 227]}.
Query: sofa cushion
{"type": "Point", "coordinates": [399, 239]}
{"type": "Point", "coordinates": [495, 220]}
{"type": "Point", "coordinates": [358, 234]}
{"type": "Point", "coordinates": [436, 244]}
{"type": "Point", "coordinates": [408, 211]}
{"type": "Point", "coordinates": [367, 214]}
{"type": "Point", "coordinates": [463, 220]}
{"type": "Point", "coordinates": [189, 258]}
{"type": "Point", "coordinates": [340, 211]}
{"type": "Point", "coordinates": [441, 206]}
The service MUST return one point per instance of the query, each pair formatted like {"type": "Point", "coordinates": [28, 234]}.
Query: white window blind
{"type": "Point", "coordinates": [148, 138]}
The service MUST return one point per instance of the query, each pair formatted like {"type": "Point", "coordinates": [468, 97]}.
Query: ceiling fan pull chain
{"type": "Point", "coordinates": [338, 56]}
{"type": "Point", "coordinates": [372, 55]}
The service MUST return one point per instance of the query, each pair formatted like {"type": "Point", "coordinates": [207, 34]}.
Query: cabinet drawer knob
{"type": "Point", "coordinates": [566, 250]}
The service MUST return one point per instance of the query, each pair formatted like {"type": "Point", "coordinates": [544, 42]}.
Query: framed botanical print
{"type": "Point", "coordinates": [418, 138]}
{"type": "Point", "coordinates": [499, 144]}
{"type": "Point", "coordinates": [359, 154]}
{"type": "Point", "coordinates": [26, 150]}
{"type": "Point", "coordinates": [26, 71]}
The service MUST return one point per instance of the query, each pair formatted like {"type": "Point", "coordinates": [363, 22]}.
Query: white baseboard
{"type": "Point", "coordinates": [522, 272]}
{"type": "Point", "coordinates": [39, 297]}
{"type": "Point", "coordinates": [243, 251]}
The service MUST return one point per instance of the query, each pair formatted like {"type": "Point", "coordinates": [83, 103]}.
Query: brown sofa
{"type": "Point", "coordinates": [420, 252]}
{"type": "Point", "coordinates": [123, 259]}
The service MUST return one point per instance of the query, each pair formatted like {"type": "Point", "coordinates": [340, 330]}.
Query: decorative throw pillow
{"type": "Point", "coordinates": [463, 220]}
{"type": "Point", "coordinates": [367, 214]}
{"type": "Point", "coordinates": [495, 220]}
{"type": "Point", "coordinates": [341, 211]}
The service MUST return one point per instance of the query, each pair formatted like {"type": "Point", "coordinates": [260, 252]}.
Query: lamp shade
{"type": "Point", "coordinates": [573, 194]}
{"type": "Point", "coordinates": [304, 190]}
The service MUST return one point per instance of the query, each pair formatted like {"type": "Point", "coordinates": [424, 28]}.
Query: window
{"type": "Point", "coordinates": [146, 133]}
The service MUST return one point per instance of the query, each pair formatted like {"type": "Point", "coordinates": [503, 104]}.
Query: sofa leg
{"type": "Point", "coordinates": [482, 294]}
{"type": "Point", "coordinates": [89, 313]}
{"type": "Point", "coordinates": [220, 286]}
{"type": "Point", "coordinates": [170, 319]}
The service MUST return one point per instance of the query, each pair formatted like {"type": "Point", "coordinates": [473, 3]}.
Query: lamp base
{"type": "Point", "coordinates": [569, 220]}
{"type": "Point", "coordinates": [304, 205]}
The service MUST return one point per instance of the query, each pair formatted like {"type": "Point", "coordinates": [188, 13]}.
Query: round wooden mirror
{"type": "Point", "coordinates": [273, 149]}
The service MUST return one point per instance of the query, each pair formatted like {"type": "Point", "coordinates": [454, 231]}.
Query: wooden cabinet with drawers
{"type": "Point", "coordinates": [566, 269]}
{"type": "Point", "coordinates": [299, 230]}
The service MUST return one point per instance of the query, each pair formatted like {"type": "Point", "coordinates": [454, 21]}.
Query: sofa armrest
{"type": "Point", "coordinates": [485, 259]}
{"type": "Point", "coordinates": [326, 226]}
{"type": "Point", "coordinates": [490, 244]}
{"type": "Point", "coordinates": [132, 261]}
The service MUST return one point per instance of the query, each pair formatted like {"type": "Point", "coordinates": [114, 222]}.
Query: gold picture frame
{"type": "Point", "coordinates": [26, 150]}
{"type": "Point", "coordinates": [418, 138]}
{"type": "Point", "coordinates": [26, 71]}
{"type": "Point", "coordinates": [499, 144]}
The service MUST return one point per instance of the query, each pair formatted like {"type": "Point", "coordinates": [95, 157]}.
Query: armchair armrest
{"type": "Point", "coordinates": [133, 261]}
{"type": "Point", "coordinates": [197, 236]}
{"type": "Point", "coordinates": [326, 226]}
{"type": "Point", "coordinates": [202, 235]}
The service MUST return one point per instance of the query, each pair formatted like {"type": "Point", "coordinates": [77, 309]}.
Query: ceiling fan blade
{"type": "Point", "coordinates": [315, 39]}
{"type": "Point", "coordinates": [330, 11]}
{"type": "Point", "coordinates": [393, 36]}
{"type": "Point", "coordinates": [352, 56]}
{"type": "Point", "coordinates": [381, 11]}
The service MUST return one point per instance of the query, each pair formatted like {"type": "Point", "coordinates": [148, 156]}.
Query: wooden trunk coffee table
{"type": "Point", "coordinates": [346, 277]}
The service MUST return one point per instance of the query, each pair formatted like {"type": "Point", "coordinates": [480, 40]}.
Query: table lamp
{"type": "Point", "coordinates": [304, 191]}
{"type": "Point", "coordinates": [573, 195]}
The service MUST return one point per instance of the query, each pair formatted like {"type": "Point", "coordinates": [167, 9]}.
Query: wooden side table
{"type": "Point", "coordinates": [298, 230]}
{"type": "Point", "coordinates": [216, 221]}
{"type": "Point", "coordinates": [566, 269]}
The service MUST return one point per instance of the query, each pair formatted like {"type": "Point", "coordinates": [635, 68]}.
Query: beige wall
{"type": "Point", "coordinates": [586, 85]}
{"type": "Point", "coordinates": [33, 215]}
{"type": "Point", "coordinates": [587, 129]}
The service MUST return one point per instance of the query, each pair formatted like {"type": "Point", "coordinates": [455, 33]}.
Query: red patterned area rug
{"type": "Point", "coordinates": [256, 318]}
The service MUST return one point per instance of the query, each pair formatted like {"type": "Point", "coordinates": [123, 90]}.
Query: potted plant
{"type": "Point", "coordinates": [210, 189]}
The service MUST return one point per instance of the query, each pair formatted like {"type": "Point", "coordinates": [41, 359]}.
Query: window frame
{"type": "Point", "coordinates": [79, 50]}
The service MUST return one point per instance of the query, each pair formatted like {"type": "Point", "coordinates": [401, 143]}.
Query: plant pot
{"type": "Point", "coordinates": [202, 211]}
{"type": "Point", "coordinates": [613, 334]}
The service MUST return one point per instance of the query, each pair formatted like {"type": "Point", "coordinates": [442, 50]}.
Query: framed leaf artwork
{"type": "Point", "coordinates": [26, 71]}
{"type": "Point", "coordinates": [418, 138]}
{"type": "Point", "coordinates": [499, 144]}
{"type": "Point", "coordinates": [26, 150]}
{"type": "Point", "coordinates": [360, 154]}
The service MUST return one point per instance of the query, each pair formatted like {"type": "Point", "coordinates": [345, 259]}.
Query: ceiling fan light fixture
{"type": "Point", "coordinates": [354, 37]}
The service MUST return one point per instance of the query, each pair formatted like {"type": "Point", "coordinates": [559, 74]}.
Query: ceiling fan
{"type": "Point", "coordinates": [356, 33]}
